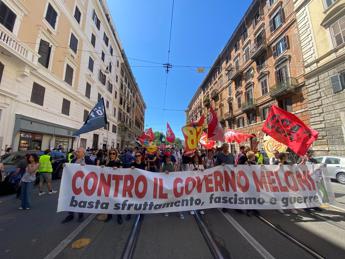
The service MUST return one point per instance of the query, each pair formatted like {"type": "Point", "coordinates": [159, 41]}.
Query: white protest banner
{"type": "Point", "coordinates": [94, 189]}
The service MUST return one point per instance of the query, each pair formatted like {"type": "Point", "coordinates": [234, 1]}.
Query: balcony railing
{"type": "Point", "coordinates": [10, 42]}
{"type": "Point", "coordinates": [249, 105]}
{"type": "Point", "coordinates": [258, 48]}
{"type": "Point", "coordinates": [283, 88]}
{"type": "Point", "coordinates": [236, 72]}
{"type": "Point", "coordinates": [260, 68]}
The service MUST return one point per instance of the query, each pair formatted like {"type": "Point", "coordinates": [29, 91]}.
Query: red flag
{"type": "Point", "coordinates": [170, 136]}
{"type": "Point", "coordinates": [205, 142]}
{"type": "Point", "coordinates": [288, 129]}
{"type": "Point", "coordinates": [215, 130]}
{"type": "Point", "coordinates": [198, 123]}
{"type": "Point", "coordinates": [232, 135]}
{"type": "Point", "coordinates": [146, 136]}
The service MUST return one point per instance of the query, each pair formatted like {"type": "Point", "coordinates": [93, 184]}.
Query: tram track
{"type": "Point", "coordinates": [128, 251]}
{"type": "Point", "coordinates": [291, 238]}
{"type": "Point", "coordinates": [326, 219]}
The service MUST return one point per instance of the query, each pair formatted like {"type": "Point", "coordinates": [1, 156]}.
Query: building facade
{"type": "Point", "coordinates": [321, 25]}
{"type": "Point", "coordinates": [259, 66]}
{"type": "Point", "coordinates": [57, 59]}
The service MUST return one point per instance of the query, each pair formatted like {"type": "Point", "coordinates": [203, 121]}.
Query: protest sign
{"type": "Point", "coordinates": [93, 189]}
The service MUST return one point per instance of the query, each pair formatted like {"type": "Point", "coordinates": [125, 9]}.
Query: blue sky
{"type": "Point", "coordinates": [200, 31]}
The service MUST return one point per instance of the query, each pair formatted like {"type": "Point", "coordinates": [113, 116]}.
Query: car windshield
{"type": "Point", "coordinates": [13, 158]}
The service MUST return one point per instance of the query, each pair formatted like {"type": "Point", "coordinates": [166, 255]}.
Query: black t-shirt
{"type": "Point", "coordinates": [114, 163]}
{"type": "Point", "coordinates": [139, 166]}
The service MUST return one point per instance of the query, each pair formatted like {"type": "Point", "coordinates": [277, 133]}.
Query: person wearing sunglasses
{"type": "Point", "coordinates": [114, 162]}
{"type": "Point", "coordinates": [138, 162]}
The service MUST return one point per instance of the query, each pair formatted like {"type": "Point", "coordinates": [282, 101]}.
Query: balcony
{"type": "Point", "coordinates": [9, 42]}
{"type": "Point", "coordinates": [283, 88]}
{"type": "Point", "coordinates": [261, 68]}
{"type": "Point", "coordinates": [249, 105]}
{"type": "Point", "coordinates": [258, 48]}
{"type": "Point", "coordinates": [236, 72]}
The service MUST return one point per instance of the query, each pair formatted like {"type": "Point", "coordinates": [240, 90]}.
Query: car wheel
{"type": "Point", "coordinates": [341, 177]}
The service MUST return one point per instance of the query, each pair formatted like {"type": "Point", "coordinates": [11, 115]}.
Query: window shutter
{"type": "Point", "coordinates": [282, 15]}
{"type": "Point", "coordinates": [286, 42]}
{"type": "Point", "coordinates": [336, 84]}
{"type": "Point", "coordinates": [274, 50]}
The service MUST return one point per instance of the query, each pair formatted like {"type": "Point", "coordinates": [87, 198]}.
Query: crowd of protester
{"type": "Point", "coordinates": [164, 160]}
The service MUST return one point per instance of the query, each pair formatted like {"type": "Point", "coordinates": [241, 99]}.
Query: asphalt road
{"type": "Point", "coordinates": [38, 233]}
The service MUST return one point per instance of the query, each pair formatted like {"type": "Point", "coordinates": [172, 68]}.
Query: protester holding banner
{"type": "Point", "coordinates": [138, 162]}
{"type": "Point", "coordinates": [275, 159]}
{"type": "Point", "coordinates": [209, 159]}
{"type": "Point", "coordinates": [225, 157]}
{"type": "Point", "coordinates": [82, 160]}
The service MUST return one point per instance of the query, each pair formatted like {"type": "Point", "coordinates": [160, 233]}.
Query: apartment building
{"type": "Point", "coordinates": [321, 25]}
{"type": "Point", "coordinates": [260, 65]}
{"type": "Point", "coordinates": [57, 59]}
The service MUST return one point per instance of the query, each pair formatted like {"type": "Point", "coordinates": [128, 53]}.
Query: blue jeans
{"type": "Point", "coordinates": [25, 194]}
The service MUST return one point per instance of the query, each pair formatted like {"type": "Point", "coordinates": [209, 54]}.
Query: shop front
{"type": "Point", "coordinates": [30, 134]}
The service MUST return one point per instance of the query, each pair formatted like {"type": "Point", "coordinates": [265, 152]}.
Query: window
{"type": "Point", "coordinates": [117, 78]}
{"type": "Point", "coordinates": [111, 50]}
{"type": "Point", "coordinates": [338, 82]}
{"type": "Point", "coordinates": [73, 43]}
{"type": "Point", "coordinates": [271, 2]}
{"type": "Point", "coordinates": [280, 46]}
{"type": "Point", "coordinates": [114, 112]}
{"type": "Point", "coordinates": [93, 39]}
{"type": "Point", "coordinates": [110, 67]}
{"type": "Point", "coordinates": [249, 95]}
{"type": "Point", "coordinates": [121, 100]}
{"type": "Point", "coordinates": [286, 104]}
{"type": "Point", "coordinates": [249, 74]}
{"type": "Point", "coordinates": [246, 51]}
{"type": "Point", "coordinates": [103, 56]}
{"type": "Point", "coordinates": [114, 129]}
{"type": "Point", "coordinates": [115, 94]}
{"type": "Point", "coordinates": [239, 102]}
{"type": "Point", "coordinates": [99, 97]}
{"type": "Point", "coordinates": [105, 39]}
{"type": "Point", "coordinates": [88, 90]}
{"type": "Point", "coordinates": [237, 63]}
{"type": "Point", "coordinates": [1, 70]}
{"type": "Point", "coordinates": [238, 83]}
{"type": "Point", "coordinates": [264, 86]}
{"type": "Point", "coordinates": [51, 16]}
{"type": "Point", "coordinates": [107, 104]}
{"type": "Point", "coordinates": [277, 20]}
{"type": "Point", "coordinates": [65, 106]}
{"type": "Point", "coordinates": [102, 77]}
{"type": "Point", "coordinates": [7, 16]}
{"type": "Point", "coordinates": [332, 161]}
{"type": "Point", "coordinates": [77, 14]}
{"type": "Point", "coordinates": [338, 32]}
{"type": "Point", "coordinates": [37, 94]}
{"type": "Point", "coordinates": [236, 46]}
{"type": "Point", "coordinates": [86, 114]}
{"type": "Point", "coordinates": [44, 52]}
{"type": "Point", "coordinates": [96, 20]}
{"type": "Point", "coordinates": [264, 113]}
{"type": "Point", "coordinates": [110, 87]}
{"type": "Point", "coordinates": [282, 74]}
{"type": "Point", "coordinates": [251, 118]}
{"type": "Point", "coordinates": [69, 74]}
{"type": "Point", "coordinates": [328, 3]}
{"type": "Point", "coordinates": [91, 63]}
{"type": "Point", "coordinates": [240, 122]}
{"type": "Point", "coordinates": [244, 34]}
{"type": "Point", "coordinates": [117, 63]}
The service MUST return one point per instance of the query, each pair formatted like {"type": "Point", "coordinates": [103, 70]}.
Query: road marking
{"type": "Point", "coordinates": [336, 207]}
{"type": "Point", "coordinates": [251, 240]}
{"type": "Point", "coordinates": [64, 243]}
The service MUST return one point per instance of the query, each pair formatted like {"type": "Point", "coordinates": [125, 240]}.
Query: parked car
{"type": "Point", "coordinates": [9, 182]}
{"type": "Point", "coordinates": [335, 167]}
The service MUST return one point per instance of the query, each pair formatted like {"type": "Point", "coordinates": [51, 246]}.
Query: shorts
{"type": "Point", "coordinates": [45, 177]}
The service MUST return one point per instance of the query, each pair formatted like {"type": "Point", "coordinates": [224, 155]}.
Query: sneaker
{"type": "Point", "coordinates": [166, 214]}
{"type": "Point", "coordinates": [41, 193]}
{"type": "Point", "coordinates": [28, 208]}
{"type": "Point", "coordinates": [294, 211]}
{"type": "Point", "coordinates": [281, 211]}
{"type": "Point", "coordinates": [192, 212]}
{"type": "Point", "coordinates": [20, 208]}
{"type": "Point", "coordinates": [202, 212]}
{"type": "Point", "coordinates": [67, 219]}
{"type": "Point", "coordinates": [181, 216]}
{"type": "Point", "coordinates": [52, 191]}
